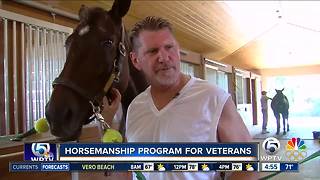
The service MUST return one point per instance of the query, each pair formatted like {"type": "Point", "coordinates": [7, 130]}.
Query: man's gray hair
{"type": "Point", "coordinates": [151, 23]}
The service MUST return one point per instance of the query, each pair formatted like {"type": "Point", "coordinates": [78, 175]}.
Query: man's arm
{"type": "Point", "coordinates": [231, 128]}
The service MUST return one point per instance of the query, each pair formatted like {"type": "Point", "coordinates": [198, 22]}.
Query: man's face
{"type": "Point", "coordinates": [158, 57]}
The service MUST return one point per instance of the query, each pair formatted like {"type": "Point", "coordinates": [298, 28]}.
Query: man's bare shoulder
{"type": "Point", "coordinates": [231, 127]}
{"type": "Point", "coordinates": [204, 85]}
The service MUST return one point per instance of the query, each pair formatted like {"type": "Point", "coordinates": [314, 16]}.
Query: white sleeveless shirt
{"type": "Point", "coordinates": [192, 116]}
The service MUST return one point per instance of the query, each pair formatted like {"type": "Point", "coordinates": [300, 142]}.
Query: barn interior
{"type": "Point", "coordinates": [244, 47]}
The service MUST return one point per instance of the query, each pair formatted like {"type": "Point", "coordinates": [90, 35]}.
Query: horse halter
{"type": "Point", "coordinates": [114, 77]}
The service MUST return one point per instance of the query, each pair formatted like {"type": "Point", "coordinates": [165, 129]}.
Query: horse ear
{"type": "Point", "coordinates": [120, 8]}
{"type": "Point", "coordinates": [83, 13]}
{"type": "Point", "coordinates": [282, 89]}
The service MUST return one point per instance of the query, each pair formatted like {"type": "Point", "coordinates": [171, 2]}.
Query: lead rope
{"type": "Point", "coordinates": [103, 124]}
{"type": "Point", "coordinates": [98, 116]}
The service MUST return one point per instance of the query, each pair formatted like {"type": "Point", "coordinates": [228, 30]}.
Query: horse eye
{"type": "Point", "coordinates": [108, 43]}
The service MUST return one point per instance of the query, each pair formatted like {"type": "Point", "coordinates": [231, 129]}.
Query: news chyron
{"type": "Point", "coordinates": [40, 152]}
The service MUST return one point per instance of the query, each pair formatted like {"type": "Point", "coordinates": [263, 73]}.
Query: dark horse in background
{"type": "Point", "coordinates": [97, 59]}
{"type": "Point", "coordinates": [280, 105]}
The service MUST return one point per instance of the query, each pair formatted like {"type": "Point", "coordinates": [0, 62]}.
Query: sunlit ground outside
{"type": "Point", "coordinates": [299, 127]}
{"type": "Point", "coordinates": [303, 93]}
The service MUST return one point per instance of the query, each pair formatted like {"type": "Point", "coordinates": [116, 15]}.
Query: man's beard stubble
{"type": "Point", "coordinates": [167, 75]}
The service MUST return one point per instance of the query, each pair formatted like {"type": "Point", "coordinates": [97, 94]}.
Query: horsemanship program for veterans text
{"type": "Point", "coordinates": [157, 151]}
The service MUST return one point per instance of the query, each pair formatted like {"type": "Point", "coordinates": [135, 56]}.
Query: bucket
{"type": "Point", "coordinates": [316, 134]}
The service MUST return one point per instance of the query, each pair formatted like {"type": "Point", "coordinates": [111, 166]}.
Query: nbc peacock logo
{"type": "Point", "coordinates": [296, 150]}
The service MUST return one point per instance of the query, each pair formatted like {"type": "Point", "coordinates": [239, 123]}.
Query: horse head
{"type": "Point", "coordinates": [96, 60]}
{"type": "Point", "coordinates": [279, 102]}
{"type": "Point", "coordinates": [279, 92]}
{"type": "Point", "coordinates": [279, 96]}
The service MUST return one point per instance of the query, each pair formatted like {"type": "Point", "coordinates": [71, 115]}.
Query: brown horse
{"type": "Point", "coordinates": [97, 59]}
{"type": "Point", "coordinates": [280, 105]}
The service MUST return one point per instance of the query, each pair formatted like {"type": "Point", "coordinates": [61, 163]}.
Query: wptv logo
{"type": "Point", "coordinates": [40, 152]}
{"type": "Point", "coordinates": [295, 150]}
{"type": "Point", "coordinates": [271, 147]}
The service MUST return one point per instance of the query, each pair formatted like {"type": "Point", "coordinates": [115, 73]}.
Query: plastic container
{"type": "Point", "coordinates": [316, 134]}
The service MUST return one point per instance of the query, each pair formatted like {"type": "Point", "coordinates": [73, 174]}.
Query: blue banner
{"type": "Point", "coordinates": [159, 152]}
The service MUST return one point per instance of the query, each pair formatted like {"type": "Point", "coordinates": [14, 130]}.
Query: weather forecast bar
{"type": "Point", "coordinates": [145, 166]}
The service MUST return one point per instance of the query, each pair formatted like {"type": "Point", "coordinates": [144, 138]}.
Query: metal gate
{"type": "Point", "coordinates": [33, 55]}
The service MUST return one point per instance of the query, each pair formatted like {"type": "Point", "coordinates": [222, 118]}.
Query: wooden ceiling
{"type": "Point", "coordinates": [249, 34]}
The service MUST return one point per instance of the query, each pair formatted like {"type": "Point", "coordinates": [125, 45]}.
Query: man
{"type": "Point", "coordinates": [177, 107]}
{"type": "Point", "coordinates": [264, 108]}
